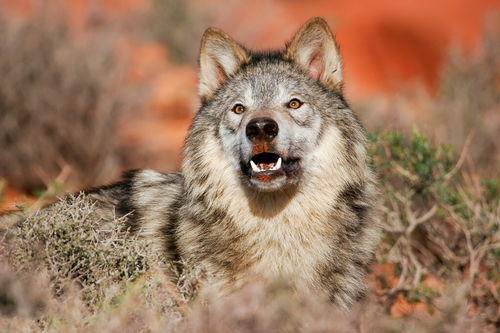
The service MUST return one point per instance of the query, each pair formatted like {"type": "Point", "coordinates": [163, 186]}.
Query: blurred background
{"type": "Point", "coordinates": [89, 88]}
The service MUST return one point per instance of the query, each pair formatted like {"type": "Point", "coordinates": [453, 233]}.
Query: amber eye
{"type": "Point", "coordinates": [294, 104]}
{"type": "Point", "coordinates": [238, 109]}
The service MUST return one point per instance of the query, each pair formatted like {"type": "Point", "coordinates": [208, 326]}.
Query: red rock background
{"type": "Point", "coordinates": [385, 43]}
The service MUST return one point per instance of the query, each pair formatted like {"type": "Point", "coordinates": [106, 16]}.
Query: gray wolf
{"type": "Point", "coordinates": [275, 181]}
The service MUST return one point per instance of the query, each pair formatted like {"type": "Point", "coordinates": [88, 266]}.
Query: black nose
{"type": "Point", "coordinates": [262, 129]}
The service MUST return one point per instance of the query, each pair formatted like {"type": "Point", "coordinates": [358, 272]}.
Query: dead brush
{"type": "Point", "coordinates": [74, 244]}
{"type": "Point", "coordinates": [92, 264]}
{"type": "Point", "coordinates": [178, 25]}
{"type": "Point", "coordinates": [61, 98]}
{"type": "Point", "coordinates": [468, 99]}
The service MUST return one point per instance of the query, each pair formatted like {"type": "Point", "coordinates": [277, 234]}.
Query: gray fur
{"type": "Point", "coordinates": [316, 226]}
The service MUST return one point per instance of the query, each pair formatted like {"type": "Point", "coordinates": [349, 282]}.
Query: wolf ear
{"type": "Point", "coordinates": [314, 49]}
{"type": "Point", "coordinates": [220, 57]}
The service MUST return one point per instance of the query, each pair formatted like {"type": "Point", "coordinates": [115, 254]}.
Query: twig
{"type": "Point", "coordinates": [415, 222]}
{"type": "Point", "coordinates": [404, 172]}
{"type": "Point", "coordinates": [461, 159]}
{"type": "Point", "coordinates": [418, 267]}
{"type": "Point", "coordinates": [402, 278]}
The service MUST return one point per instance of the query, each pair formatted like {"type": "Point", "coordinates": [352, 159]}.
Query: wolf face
{"type": "Point", "coordinates": [271, 108]}
{"type": "Point", "coordinates": [270, 126]}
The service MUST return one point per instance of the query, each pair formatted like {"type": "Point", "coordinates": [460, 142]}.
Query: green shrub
{"type": "Point", "coordinates": [439, 220]}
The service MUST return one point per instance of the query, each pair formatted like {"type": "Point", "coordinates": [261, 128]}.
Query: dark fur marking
{"type": "Point", "coordinates": [121, 193]}
{"type": "Point", "coordinates": [267, 56]}
{"type": "Point", "coordinates": [353, 195]}
{"type": "Point", "coordinates": [169, 230]}
{"type": "Point", "coordinates": [362, 264]}
{"type": "Point", "coordinates": [327, 274]}
{"type": "Point", "coordinates": [349, 142]}
{"type": "Point", "coordinates": [220, 248]}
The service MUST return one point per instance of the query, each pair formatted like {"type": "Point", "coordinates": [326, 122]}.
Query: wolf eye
{"type": "Point", "coordinates": [294, 104]}
{"type": "Point", "coordinates": [238, 109]}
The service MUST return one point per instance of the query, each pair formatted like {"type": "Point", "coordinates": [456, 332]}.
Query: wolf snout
{"type": "Point", "coordinates": [262, 129]}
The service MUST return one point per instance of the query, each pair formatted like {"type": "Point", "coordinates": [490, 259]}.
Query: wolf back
{"type": "Point", "coordinates": [275, 181]}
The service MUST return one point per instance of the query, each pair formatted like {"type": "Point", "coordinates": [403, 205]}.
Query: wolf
{"type": "Point", "coordinates": [275, 181]}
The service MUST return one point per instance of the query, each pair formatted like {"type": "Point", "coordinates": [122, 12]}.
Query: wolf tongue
{"type": "Point", "coordinates": [266, 166]}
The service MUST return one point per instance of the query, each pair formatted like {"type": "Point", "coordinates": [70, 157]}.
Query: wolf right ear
{"type": "Point", "coordinates": [220, 57]}
{"type": "Point", "coordinates": [314, 49]}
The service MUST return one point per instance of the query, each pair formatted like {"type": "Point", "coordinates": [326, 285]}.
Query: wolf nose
{"type": "Point", "coordinates": [262, 129]}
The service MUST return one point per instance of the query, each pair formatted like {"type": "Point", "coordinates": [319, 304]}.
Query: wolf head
{"type": "Point", "coordinates": [263, 114]}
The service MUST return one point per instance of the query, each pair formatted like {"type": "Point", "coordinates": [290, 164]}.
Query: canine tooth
{"type": "Point", "coordinates": [254, 166]}
{"type": "Point", "coordinates": [278, 164]}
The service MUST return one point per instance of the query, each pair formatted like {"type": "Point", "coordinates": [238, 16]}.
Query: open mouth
{"type": "Point", "coordinates": [268, 172]}
{"type": "Point", "coordinates": [266, 163]}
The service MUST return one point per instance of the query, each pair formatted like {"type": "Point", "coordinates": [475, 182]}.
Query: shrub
{"type": "Point", "coordinates": [439, 222]}
{"type": "Point", "coordinates": [73, 242]}
{"type": "Point", "coordinates": [61, 98]}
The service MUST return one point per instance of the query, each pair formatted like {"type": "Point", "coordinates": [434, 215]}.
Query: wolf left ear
{"type": "Point", "coordinates": [220, 57]}
{"type": "Point", "coordinates": [314, 49]}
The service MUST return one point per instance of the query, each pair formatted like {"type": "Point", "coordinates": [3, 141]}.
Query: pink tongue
{"type": "Point", "coordinates": [266, 166]}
